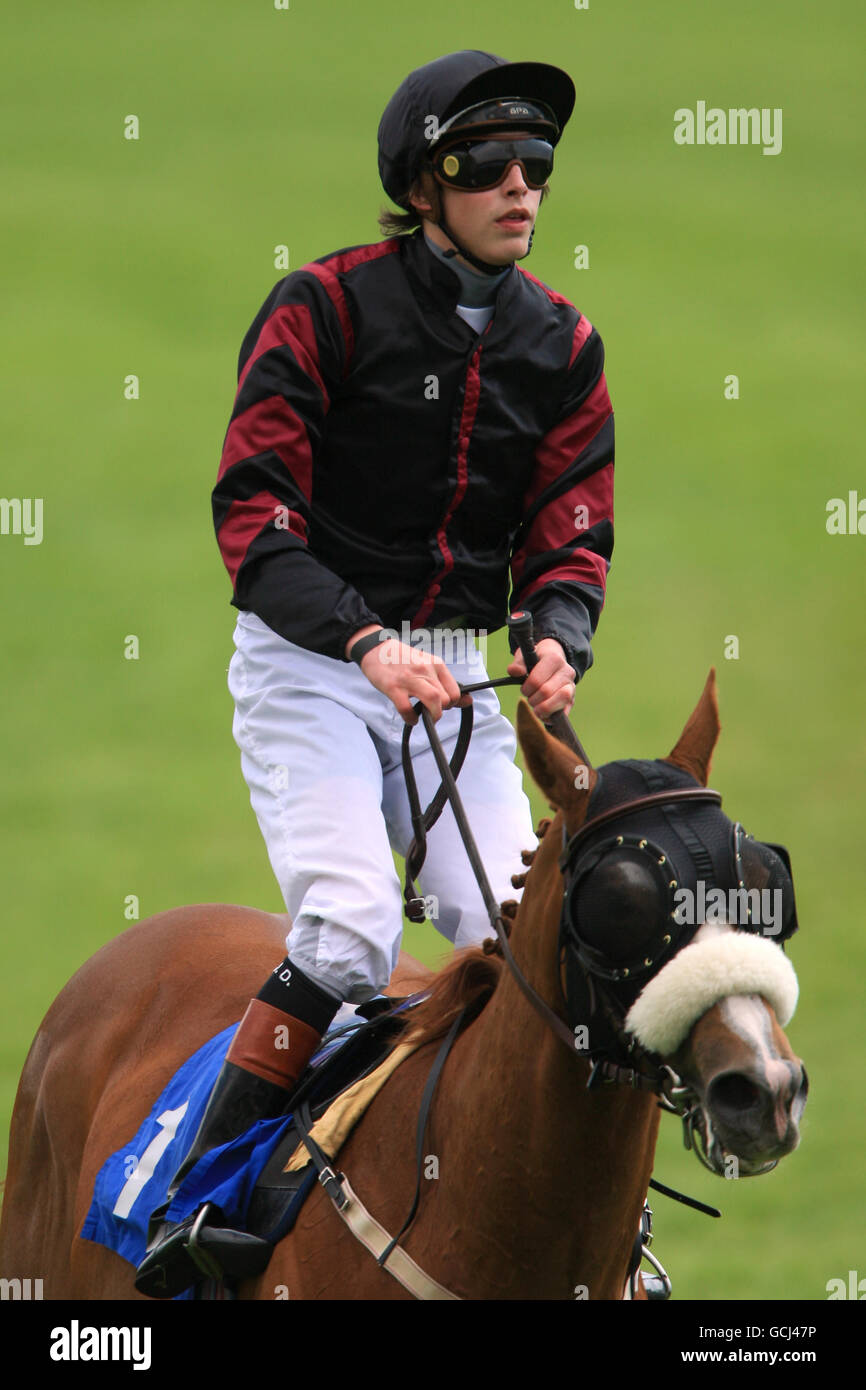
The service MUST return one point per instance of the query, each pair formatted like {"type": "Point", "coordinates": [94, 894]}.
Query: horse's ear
{"type": "Point", "coordinates": [694, 751]}
{"type": "Point", "coordinates": [556, 770]}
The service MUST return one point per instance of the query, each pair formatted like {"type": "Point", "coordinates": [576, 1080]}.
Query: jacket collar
{"type": "Point", "coordinates": [437, 280]}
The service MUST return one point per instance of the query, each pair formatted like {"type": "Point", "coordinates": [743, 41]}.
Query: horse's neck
{"type": "Point", "coordinates": [542, 1182]}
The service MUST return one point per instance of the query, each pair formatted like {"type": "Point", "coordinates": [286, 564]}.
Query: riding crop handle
{"type": "Point", "coordinates": [520, 624]}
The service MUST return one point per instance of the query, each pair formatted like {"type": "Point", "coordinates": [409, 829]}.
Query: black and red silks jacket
{"type": "Point", "coordinates": [385, 463]}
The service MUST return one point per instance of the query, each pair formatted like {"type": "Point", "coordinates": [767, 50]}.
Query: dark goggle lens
{"type": "Point", "coordinates": [484, 165]}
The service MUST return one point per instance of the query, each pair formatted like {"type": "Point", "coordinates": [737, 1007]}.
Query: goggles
{"type": "Point", "coordinates": [481, 164]}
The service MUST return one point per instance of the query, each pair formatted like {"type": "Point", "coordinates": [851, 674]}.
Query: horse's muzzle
{"type": "Point", "coordinates": [755, 1113]}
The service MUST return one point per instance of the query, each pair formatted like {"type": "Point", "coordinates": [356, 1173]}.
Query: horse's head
{"type": "Point", "coordinates": [672, 924]}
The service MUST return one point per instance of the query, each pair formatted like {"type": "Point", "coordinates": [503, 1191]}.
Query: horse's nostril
{"type": "Point", "coordinates": [733, 1093]}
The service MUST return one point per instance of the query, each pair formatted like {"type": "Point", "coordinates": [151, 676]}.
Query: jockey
{"type": "Point", "coordinates": [414, 419]}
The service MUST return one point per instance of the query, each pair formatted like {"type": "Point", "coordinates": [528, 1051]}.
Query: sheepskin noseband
{"type": "Point", "coordinates": [721, 961]}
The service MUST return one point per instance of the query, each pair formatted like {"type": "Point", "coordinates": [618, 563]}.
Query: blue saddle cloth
{"type": "Point", "coordinates": [135, 1179]}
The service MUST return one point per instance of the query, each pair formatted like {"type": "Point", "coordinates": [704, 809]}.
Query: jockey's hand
{"type": "Point", "coordinates": [406, 674]}
{"type": "Point", "coordinates": [550, 684]}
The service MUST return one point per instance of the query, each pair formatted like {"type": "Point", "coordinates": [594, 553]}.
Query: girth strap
{"type": "Point", "coordinates": [368, 1231]}
{"type": "Point", "coordinates": [376, 1239]}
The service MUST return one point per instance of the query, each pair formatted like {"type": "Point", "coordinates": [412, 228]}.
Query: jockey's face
{"type": "Point", "coordinates": [495, 224]}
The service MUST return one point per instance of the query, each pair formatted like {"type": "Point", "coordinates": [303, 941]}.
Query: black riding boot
{"type": "Point", "coordinates": [252, 1085]}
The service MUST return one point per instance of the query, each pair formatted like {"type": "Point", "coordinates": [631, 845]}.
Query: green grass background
{"type": "Point", "coordinates": [151, 257]}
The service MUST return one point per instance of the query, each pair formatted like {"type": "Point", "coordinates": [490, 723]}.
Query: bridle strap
{"type": "Point", "coordinates": [627, 808]}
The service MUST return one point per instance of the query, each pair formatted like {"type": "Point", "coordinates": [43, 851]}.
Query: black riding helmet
{"type": "Point", "coordinates": [469, 92]}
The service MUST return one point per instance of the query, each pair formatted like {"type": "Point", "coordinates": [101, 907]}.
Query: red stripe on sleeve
{"type": "Point", "coordinates": [585, 567]}
{"type": "Point", "coordinates": [291, 326]}
{"type": "Point", "coordinates": [271, 425]}
{"type": "Point", "coordinates": [560, 523]}
{"type": "Point", "coordinates": [581, 333]}
{"type": "Point", "coordinates": [562, 445]}
{"type": "Point", "coordinates": [244, 521]}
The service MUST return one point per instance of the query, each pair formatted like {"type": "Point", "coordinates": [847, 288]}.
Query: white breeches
{"type": "Point", "coordinates": [320, 752]}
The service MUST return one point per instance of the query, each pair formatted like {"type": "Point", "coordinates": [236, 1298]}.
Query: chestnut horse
{"type": "Point", "coordinates": [540, 1182]}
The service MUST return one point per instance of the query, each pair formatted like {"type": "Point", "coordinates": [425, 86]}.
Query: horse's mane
{"type": "Point", "coordinates": [466, 982]}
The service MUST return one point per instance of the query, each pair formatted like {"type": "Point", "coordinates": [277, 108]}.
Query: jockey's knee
{"type": "Point", "coordinates": [356, 974]}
